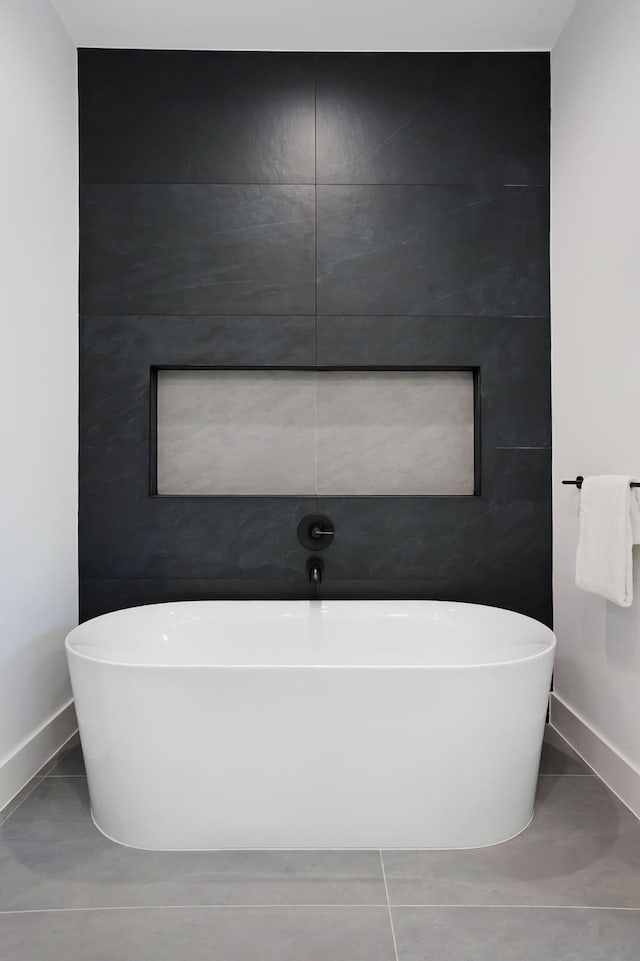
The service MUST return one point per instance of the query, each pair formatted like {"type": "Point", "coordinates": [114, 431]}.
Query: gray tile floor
{"type": "Point", "coordinates": [568, 889]}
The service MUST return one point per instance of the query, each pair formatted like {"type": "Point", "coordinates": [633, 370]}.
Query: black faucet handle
{"type": "Point", "coordinates": [315, 532]}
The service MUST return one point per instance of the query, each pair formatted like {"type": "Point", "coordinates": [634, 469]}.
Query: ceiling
{"type": "Point", "coordinates": [325, 25]}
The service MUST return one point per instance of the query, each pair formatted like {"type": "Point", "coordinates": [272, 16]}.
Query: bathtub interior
{"type": "Point", "coordinates": [311, 634]}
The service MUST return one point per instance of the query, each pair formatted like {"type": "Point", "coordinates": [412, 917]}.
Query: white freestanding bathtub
{"type": "Point", "coordinates": [311, 724]}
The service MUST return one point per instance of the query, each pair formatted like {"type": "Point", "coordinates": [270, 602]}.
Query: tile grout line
{"type": "Point", "coordinates": [306, 183]}
{"type": "Point", "coordinates": [524, 907]}
{"type": "Point", "coordinates": [193, 907]}
{"type": "Point", "coordinates": [303, 906]}
{"type": "Point", "coordinates": [315, 432]}
{"type": "Point", "coordinates": [52, 774]}
{"type": "Point", "coordinates": [386, 891]}
{"type": "Point", "coordinates": [37, 780]}
{"type": "Point", "coordinates": [315, 216]}
{"type": "Point", "coordinates": [589, 774]}
{"type": "Point", "coordinates": [315, 284]}
{"type": "Point", "coordinates": [142, 314]}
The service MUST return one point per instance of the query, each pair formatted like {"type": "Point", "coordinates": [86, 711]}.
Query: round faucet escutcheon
{"type": "Point", "coordinates": [316, 532]}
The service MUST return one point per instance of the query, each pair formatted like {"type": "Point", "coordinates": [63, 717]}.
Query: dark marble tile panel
{"type": "Point", "coordinates": [420, 341]}
{"type": "Point", "coordinates": [197, 249]}
{"type": "Point", "coordinates": [434, 118]}
{"type": "Point", "coordinates": [513, 474]}
{"type": "Point", "coordinates": [126, 533]}
{"type": "Point", "coordinates": [472, 549]}
{"type": "Point", "coordinates": [99, 595]}
{"type": "Point", "coordinates": [510, 596]}
{"type": "Point", "coordinates": [447, 250]}
{"type": "Point", "coordinates": [151, 116]}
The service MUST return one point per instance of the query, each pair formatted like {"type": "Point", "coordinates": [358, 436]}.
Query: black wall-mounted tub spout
{"type": "Point", "coordinates": [314, 566]}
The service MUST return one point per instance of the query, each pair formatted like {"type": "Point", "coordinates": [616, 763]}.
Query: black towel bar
{"type": "Point", "coordinates": [579, 479]}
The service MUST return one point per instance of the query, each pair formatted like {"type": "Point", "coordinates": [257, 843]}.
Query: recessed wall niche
{"type": "Point", "coordinates": [315, 433]}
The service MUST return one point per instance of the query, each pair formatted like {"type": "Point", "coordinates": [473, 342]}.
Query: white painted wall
{"type": "Point", "coordinates": [38, 383]}
{"type": "Point", "coordinates": [308, 25]}
{"type": "Point", "coordinates": [596, 353]}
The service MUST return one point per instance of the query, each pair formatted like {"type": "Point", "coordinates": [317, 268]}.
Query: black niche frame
{"type": "Point", "coordinates": [493, 547]}
{"type": "Point", "coordinates": [153, 419]}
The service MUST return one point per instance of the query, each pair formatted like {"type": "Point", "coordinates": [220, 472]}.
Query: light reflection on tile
{"type": "Point", "coordinates": [236, 432]}
{"type": "Point", "coordinates": [395, 432]}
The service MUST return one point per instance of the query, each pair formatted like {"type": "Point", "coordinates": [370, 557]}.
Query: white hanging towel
{"type": "Point", "coordinates": [609, 527]}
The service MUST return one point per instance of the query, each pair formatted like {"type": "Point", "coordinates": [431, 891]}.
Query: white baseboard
{"type": "Point", "coordinates": [618, 773]}
{"type": "Point", "coordinates": [29, 757]}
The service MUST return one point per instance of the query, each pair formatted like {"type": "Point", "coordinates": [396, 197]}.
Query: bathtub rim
{"type": "Point", "coordinates": [548, 650]}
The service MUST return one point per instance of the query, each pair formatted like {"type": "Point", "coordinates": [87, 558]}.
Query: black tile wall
{"type": "Point", "coordinates": [433, 250]}
{"type": "Point", "coordinates": [280, 210]}
{"type": "Point", "coordinates": [190, 117]}
{"type": "Point", "coordinates": [436, 119]}
{"type": "Point", "coordinates": [197, 249]}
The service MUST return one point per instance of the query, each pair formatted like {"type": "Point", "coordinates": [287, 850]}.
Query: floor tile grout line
{"type": "Point", "coordinates": [191, 907]}
{"type": "Point", "coordinates": [61, 777]}
{"type": "Point", "coordinates": [588, 774]}
{"type": "Point", "coordinates": [41, 775]}
{"type": "Point", "coordinates": [524, 907]}
{"type": "Point", "coordinates": [37, 780]}
{"type": "Point", "coordinates": [303, 906]}
{"type": "Point", "coordinates": [386, 891]}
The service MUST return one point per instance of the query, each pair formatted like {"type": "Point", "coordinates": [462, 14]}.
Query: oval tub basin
{"type": "Point", "coordinates": [311, 724]}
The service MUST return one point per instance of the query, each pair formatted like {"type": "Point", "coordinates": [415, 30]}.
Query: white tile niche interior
{"type": "Point", "coordinates": [305, 432]}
